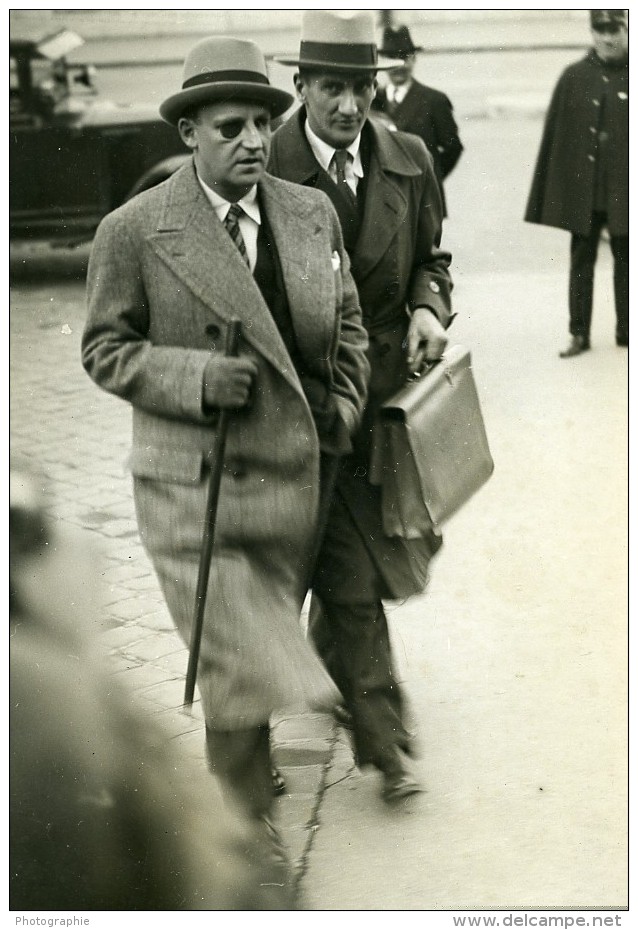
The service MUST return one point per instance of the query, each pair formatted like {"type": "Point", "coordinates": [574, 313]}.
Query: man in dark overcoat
{"type": "Point", "coordinates": [417, 108]}
{"type": "Point", "coordinates": [581, 180]}
{"type": "Point", "coordinates": [386, 193]}
{"type": "Point", "coordinates": [219, 240]}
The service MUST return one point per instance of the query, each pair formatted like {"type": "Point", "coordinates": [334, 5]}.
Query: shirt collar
{"type": "Point", "coordinates": [398, 94]}
{"type": "Point", "coordinates": [249, 203]}
{"type": "Point", "coordinates": [324, 153]}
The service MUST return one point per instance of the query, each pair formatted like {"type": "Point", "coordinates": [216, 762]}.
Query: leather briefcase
{"type": "Point", "coordinates": [430, 450]}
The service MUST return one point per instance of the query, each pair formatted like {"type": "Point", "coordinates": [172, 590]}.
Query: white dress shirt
{"type": "Point", "coordinates": [249, 221]}
{"type": "Point", "coordinates": [397, 94]}
{"type": "Point", "coordinates": [324, 154]}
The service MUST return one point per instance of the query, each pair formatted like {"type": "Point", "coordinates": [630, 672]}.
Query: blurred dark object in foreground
{"type": "Point", "coordinates": [103, 816]}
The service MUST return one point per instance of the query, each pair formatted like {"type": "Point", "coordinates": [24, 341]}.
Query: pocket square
{"type": "Point", "coordinates": [336, 261]}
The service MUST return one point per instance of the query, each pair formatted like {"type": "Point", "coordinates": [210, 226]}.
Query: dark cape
{"type": "Point", "coordinates": [587, 120]}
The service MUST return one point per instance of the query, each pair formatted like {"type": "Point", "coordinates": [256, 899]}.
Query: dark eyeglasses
{"type": "Point", "coordinates": [233, 128]}
{"type": "Point", "coordinates": [609, 28]}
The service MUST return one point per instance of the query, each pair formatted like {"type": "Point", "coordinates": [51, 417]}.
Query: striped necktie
{"type": "Point", "coordinates": [340, 159]}
{"type": "Point", "coordinates": [232, 225]}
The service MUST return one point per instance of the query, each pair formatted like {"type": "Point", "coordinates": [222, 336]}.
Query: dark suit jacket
{"type": "Point", "coordinates": [427, 113]}
{"type": "Point", "coordinates": [563, 188]}
{"type": "Point", "coordinates": [397, 265]}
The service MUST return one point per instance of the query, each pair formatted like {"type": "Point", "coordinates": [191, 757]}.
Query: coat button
{"type": "Point", "coordinates": [591, 158]}
{"type": "Point", "coordinates": [596, 102]}
{"type": "Point", "coordinates": [434, 287]}
{"type": "Point", "coordinates": [213, 331]}
{"type": "Point", "coordinates": [592, 129]}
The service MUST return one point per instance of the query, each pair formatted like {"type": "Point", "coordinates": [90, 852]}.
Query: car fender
{"type": "Point", "coordinates": [158, 173]}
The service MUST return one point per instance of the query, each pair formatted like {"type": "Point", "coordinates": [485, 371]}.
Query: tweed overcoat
{"type": "Point", "coordinates": [427, 113]}
{"type": "Point", "coordinates": [563, 186]}
{"type": "Point", "coordinates": [164, 280]}
{"type": "Point", "coordinates": [397, 265]}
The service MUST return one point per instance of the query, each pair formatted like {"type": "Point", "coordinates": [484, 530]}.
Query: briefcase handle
{"type": "Point", "coordinates": [425, 369]}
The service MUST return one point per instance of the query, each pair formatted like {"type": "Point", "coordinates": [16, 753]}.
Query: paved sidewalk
{"type": "Point", "coordinates": [515, 659]}
{"type": "Point", "coordinates": [77, 438]}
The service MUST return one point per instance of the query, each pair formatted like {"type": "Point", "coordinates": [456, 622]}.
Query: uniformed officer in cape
{"type": "Point", "coordinates": [581, 180]}
{"type": "Point", "coordinates": [386, 193]}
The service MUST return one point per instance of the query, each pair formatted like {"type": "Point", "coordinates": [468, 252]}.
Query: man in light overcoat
{"type": "Point", "coordinates": [221, 240]}
{"type": "Point", "coordinates": [384, 188]}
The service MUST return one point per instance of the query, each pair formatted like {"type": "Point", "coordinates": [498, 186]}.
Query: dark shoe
{"type": "Point", "coordinates": [278, 782]}
{"type": "Point", "coordinates": [399, 783]}
{"type": "Point", "coordinates": [343, 716]}
{"type": "Point", "coordinates": [577, 346]}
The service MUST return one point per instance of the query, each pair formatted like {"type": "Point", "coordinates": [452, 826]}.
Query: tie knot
{"type": "Point", "coordinates": [341, 159]}
{"type": "Point", "coordinates": [234, 212]}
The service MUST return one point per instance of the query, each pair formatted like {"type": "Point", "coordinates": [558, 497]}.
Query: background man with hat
{"type": "Point", "coordinates": [417, 108]}
{"type": "Point", "coordinates": [221, 240]}
{"type": "Point", "coordinates": [385, 190]}
{"type": "Point", "coordinates": [581, 180]}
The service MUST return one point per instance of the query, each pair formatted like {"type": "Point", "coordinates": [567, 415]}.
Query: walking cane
{"type": "Point", "coordinates": [208, 539]}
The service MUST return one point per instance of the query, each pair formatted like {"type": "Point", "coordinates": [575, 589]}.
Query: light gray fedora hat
{"type": "Point", "coordinates": [223, 68]}
{"type": "Point", "coordinates": [338, 40]}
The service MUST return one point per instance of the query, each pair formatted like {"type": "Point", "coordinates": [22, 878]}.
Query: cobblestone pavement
{"type": "Point", "coordinates": [76, 438]}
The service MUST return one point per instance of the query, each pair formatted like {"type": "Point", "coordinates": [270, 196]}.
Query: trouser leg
{"type": "Point", "coordinates": [240, 759]}
{"type": "Point", "coordinates": [328, 471]}
{"type": "Point", "coordinates": [583, 252]}
{"type": "Point", "coordinates": [354, 643]}
{"type": "Point", "coordinates": [620, 251]}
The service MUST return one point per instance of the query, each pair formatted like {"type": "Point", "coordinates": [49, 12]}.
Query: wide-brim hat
{"type": "Point", "coordinates": [397, 43]}
{"type": "Point", "coordinates": [222, 69]}
{"type": "Point", "coordinates": [608, 17]}
{"type": "Point", "coordinates": [338, 40]}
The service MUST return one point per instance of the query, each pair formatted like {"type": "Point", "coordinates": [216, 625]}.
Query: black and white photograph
{"type": "Point", "coordinates": [319, 444]}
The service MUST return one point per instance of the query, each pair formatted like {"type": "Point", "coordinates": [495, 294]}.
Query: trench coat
{"type": "Point", "coordinates": [427, 113]}
{"type": "Point", "coordinates": [164, 279]}
{"type": "Point", "coordinates": [563, 187]}
{"type": "Point", "coordinates": [397, 265]}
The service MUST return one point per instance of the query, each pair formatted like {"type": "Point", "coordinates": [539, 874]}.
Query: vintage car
{"type": "Point", "coordinates": [73, 156]}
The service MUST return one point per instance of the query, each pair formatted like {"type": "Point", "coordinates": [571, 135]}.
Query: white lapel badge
{"type": "Point", "coordinates": [336, 261]}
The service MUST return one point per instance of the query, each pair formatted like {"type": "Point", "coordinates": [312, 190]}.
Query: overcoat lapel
{"type": "Point", "coordinates": [196, 247]}
{"type": "Point", "coordinates": [385, 210]}
{"type": "Point", "coordinates": [309, 281]}
{"type": "Point", "coordinates": [386, 204]}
